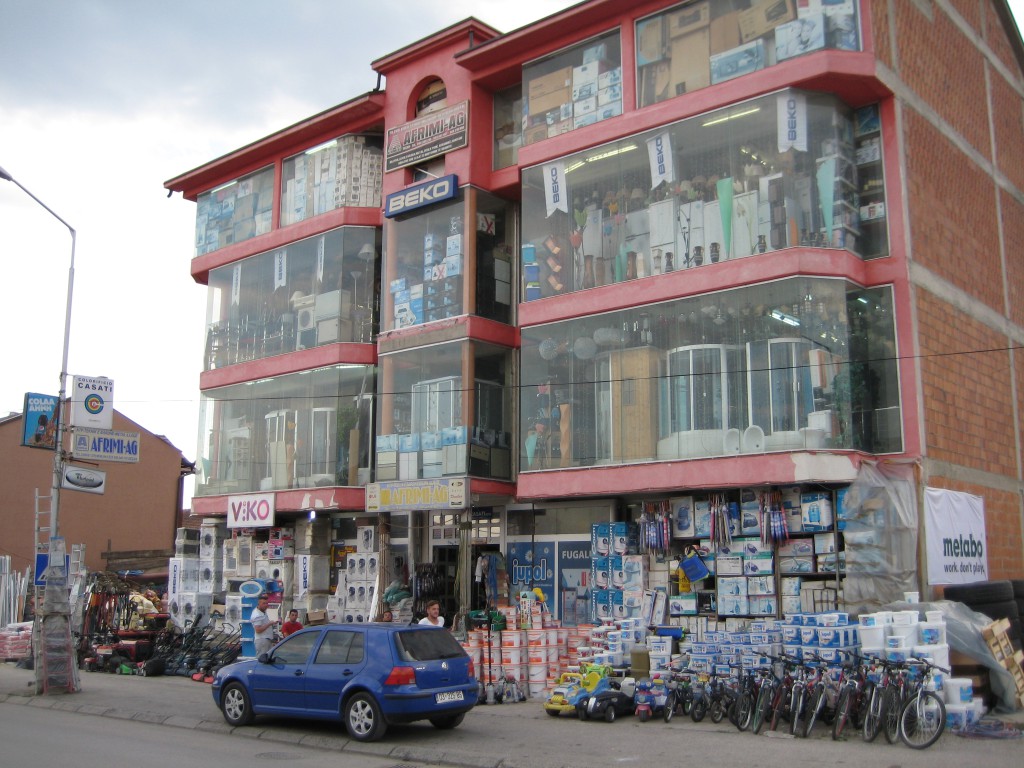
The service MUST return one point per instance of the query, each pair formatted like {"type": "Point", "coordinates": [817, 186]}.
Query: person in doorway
{"type": "Point", "coordinates": [293, 624]}
{"type": "Point", "coordinates": [433, 617]}
{"type": "Point", "coordinates": [262, 626]}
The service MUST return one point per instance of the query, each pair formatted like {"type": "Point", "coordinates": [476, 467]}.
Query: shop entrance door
{"type": "Point", "coordinates": [446, 566]}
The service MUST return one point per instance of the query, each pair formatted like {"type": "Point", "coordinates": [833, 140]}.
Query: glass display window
{"type": "Point", "coordinates": [508, 126]}
{"type": "Point", "coordinates": [235, 212]}
{"type": "Point", "coordinates": [433, 425]}
{"type": "Point", "coordinates": [316, 291]}
{"type": "Point", "coordinates": [433, 251]}
{"type": "Point", "coordinates": [344, 172]}
{"type": "Point", "coordinates": [297, 431]}
{"type": "Point", "coordinates": [573, 88]}
{"type": "Point", "coordinates": [696, 44]}
{"type": "Point", "coordinates": [794, 364]}
{"type": "Point", "coordinates": [775, 172]}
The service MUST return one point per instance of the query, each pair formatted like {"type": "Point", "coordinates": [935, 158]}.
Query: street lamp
{"type": "Point", "coordinates": [62, 609]}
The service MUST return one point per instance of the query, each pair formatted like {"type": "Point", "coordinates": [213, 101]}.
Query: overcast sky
{"type": "Point", "coordinates": [101, 101]}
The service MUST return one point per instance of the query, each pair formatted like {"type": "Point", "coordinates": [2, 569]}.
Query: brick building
{"type": "Point", "coordinates": [635, 265]}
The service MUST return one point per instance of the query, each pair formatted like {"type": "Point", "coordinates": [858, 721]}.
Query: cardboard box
{"type": "Point", "coordinates": [738, 61]}
{"type": "Point", "coordinates": [540, 89]}
{"type": "Point", "coordinates": [682, 517]}
{"type": "Point", "coordinates": [804, 35]}
{"type": "Point", "coordinates": [689, 18]}
{"type": "Point", "coordinates": [315, 618]}
{"type": "Point", "coordinates": [725, 32]}
{"type": "Point", "coordinates": [650, 40]}
{"type": "Point", "coordinates": [762, 17]}
{"type": "Point", "coordinates": [690, 68]}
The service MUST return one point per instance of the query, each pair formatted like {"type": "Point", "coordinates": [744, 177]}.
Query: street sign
{"type": "Point", "coordinates": [105, 445]}
{"type": "Point", "coordinates": [43, 565]}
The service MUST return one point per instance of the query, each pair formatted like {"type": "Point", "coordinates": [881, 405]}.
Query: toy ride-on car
{"type": "Point", "coordinates": [573, 686]}
{"type": "Point", "coordinates": [611, 699]}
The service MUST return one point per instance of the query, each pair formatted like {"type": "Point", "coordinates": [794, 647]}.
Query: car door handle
{"type": "Point", "coordinates": [298, 673]}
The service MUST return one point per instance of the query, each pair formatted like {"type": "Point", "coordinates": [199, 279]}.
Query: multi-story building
{"type": "Point", "coordinates": [694, 266]}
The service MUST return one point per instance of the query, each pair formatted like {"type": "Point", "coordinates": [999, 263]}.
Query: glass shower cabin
{"type": "Point", "coordinates": [703, 402]}
{"type": "Point", "coordinates": [780, 394]}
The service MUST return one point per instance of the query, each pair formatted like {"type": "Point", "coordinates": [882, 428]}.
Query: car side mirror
{"type": "Point", "coordinates": [264, 658]}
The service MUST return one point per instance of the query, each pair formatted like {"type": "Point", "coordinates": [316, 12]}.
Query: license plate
{"type": "Point", "coordinates": [444, 698]}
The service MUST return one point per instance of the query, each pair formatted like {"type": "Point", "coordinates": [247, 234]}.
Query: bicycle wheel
{"type": "Point", "coordinates": [700, 708]}
{"type": "Point", "coordinates": [922, 720]}
{"type": "Point", "coordinates": [744, 710]}
{"type": "Point", "coordinates": [778, 705]}
{"type": "Point", "coordinates": [859, 704]}
{"type": "Point", "coordinates": [795, 711]}
{"type": "Point", "coordinates": [843, 706]}
{"type": "Point", "coordinates": [815, 704]}
{"type": "Point", "coordinates": [873, 715]}
{"type": "Point", "coordinates": [716, 710]}
{"type": "Point", "coordinates": [762, 707]}
{"type": "Point", "coordinates": [670, 706]}
{"type": "Point", "coordinates": [891, 708]}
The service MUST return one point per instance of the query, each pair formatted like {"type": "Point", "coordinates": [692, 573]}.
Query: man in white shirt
{"type": "Point", "coordinates": [433, 617]}
{"type": "Point", "coordinates": [262, 626]}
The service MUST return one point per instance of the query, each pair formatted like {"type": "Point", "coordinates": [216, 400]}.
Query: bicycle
{"type": "Point", "coordinates": [740, 710]}
{"type": "Point", "coordinates": [854, 694]}
{"type": "Point", "coordinates": [679, 696]}
{"type": "Point", "coordinates": [767, 688]}
{"type": "Point", "coordinates": [923, 717]}
{"type": "Point", "coordinates": [885, 703]}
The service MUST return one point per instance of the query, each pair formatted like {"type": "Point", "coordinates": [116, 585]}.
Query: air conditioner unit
{"type": "Point", "coordinates": [245, 557]}
{"type": "Point", "coordinates": [230, 558]}
{"type": "Point", "coordinates": [305, 312]}
{"type": "Point", "coordinates": [233, 609]}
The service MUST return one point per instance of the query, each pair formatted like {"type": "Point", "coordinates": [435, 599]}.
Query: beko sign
{"type": "Point", "coordinates": [419, 195]}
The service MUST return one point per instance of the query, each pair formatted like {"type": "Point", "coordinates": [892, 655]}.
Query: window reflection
{"type": "Point", "coordinates": [803, 363]}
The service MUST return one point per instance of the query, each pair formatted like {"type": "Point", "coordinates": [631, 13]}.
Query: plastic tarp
{"type": "Point", "coordinates": [881, 533]}
{"type": "Point", "coordinates": [963, 634]}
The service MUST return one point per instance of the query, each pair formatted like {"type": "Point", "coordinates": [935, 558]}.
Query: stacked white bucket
{"type": "Point", "coordinates": [534, 656]}
{"type": "Point", "coordinates": [898, 635]}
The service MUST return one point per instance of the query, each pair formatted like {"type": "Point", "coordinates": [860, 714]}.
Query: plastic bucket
{"type": "Point", "coordinates": [872, 636]}
{"type": "Point", "coordinates": [511, 656]}
{"type": "Point", "coordinates": [934, 616]}
{"type": "Point", "coordinates": [537, 688]}
{"type": "Point", "coordinates": [512, 638]}
{"type": "Point", "coordinates": [956, 715]}
{"type": "Point", "coordinates": [959, 690]}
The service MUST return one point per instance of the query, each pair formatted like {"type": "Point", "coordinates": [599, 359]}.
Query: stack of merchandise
{"type": "Point", "coordinates": [16, 641]}
{"type": "Point", "coordinates": [186, 604]}
{"type": "Point", "coordinates": [618, 572]}
{"type": "Point", "coordinates": [311, 577]}
{"type": "Point", "coordinates": [355, 601]}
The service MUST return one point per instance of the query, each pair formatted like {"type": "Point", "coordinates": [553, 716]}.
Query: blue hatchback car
{"type": "Point", "coordinates": [369, 676]}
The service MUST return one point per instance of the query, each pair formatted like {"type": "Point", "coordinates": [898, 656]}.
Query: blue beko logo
{"type": "Point", "coordinates": [419, 195]}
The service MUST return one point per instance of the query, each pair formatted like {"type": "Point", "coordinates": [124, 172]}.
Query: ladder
{"type": "Point", "coordinates": [55, 659]}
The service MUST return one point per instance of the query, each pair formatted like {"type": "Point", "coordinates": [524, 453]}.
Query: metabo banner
{"type": "Point", "coordinates": [955, 535]}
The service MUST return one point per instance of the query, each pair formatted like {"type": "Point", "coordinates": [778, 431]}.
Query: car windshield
{"type": "Point", "coordinates": [427, 645]}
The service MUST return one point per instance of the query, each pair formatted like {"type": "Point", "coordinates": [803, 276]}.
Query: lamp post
{"type": "Point", "coordinates": [56, 597]}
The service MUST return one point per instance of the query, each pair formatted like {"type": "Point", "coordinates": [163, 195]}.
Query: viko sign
{"type": "Point", "coordinates": [251, 511]}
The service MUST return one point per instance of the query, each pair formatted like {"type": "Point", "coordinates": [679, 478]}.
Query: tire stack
{"type": "Point", "coordinates": [995, 599]}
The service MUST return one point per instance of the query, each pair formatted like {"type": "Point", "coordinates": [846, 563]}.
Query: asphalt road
{"type": "Point", "coordinates": [498, 736]}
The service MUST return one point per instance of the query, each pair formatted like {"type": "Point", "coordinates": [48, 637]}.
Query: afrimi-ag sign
{"type": "Point", "coordinates": [105, 445]}
{"type": "Point", "coordinates": [400, 495]}
{"type": "Point", "coordinates": [254, 510]}
{"type": "Point", "coordinates": [420, 195]}
{"type": "Point", "coordinates": [83, 479]}
{"type": "Point", "coordinates": [427, 137]}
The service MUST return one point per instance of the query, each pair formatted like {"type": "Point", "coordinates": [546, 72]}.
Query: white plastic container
{"type": "Point", "coordinates": [934, 616]}
{"type": "Point", "coordinates": [956, 715]}
{"type": "Point", "coordinates": [959, 690]}
{"type": "Point", "coordinates": [904, 618]}
{"type": "Point", "coordinates": [931, 632]}
{"type": "Point", "coordinates": [873, 636]}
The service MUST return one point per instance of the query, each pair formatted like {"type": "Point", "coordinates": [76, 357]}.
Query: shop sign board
{"type": "Point", "coordinates": [253, 510]}
{"type": "Point", "coordinates": [427, 137]}
{"type": "Point", "coordinates": [405, 495]}
{"type": "Point", "coordinates": [39, 425]}
{"type": "Point", "coordinates": [105, 445]}
{"type": "Point", "coordinates": [421, 195]}
{"type": "Point", "coordinates": [955, 535]}
{"type": "Point", "coordinates": [532, 565]}
{"type": "Point", "coordinates": [92, 402]}
{"type": "Point", "coordinates": [83, 479]}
